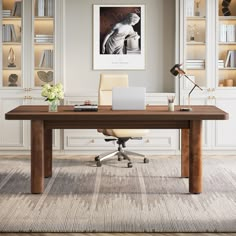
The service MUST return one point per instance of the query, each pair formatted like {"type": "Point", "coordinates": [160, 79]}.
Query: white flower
{"type": "Point", "coordinates": [52, 92]}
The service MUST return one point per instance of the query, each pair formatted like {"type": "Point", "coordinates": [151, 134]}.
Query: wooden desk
{"type": "Point", "coordinates": [154, 117]}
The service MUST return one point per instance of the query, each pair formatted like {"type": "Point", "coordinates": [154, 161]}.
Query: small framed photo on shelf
{"type": "Point", "coordinates": [118, 37]}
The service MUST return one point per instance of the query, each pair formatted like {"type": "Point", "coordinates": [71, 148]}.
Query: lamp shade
{"type": "Point", "coordinates": [176, 70]}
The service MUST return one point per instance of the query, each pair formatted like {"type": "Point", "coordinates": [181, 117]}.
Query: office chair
{"type": "Point", "coordinates": [107, 82]}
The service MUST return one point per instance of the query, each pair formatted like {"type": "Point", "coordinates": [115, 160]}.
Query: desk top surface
{"type": "Point", "coordinates": [33, 112]}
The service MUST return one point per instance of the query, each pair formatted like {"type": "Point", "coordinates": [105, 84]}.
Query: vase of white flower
{"type": "Point", "coordinates": [53, 94]}
{"type": "Point", "coordinates": [52, 106]}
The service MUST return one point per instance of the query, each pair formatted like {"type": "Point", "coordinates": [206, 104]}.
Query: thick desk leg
{"type": "Point", "coordinates": [185, 153]}
{"type": "Point", "coordinates": [195, 156]}
{"type": "Point", "coordinates": [47, 153]}
{"type": "Point", "coordinates": [37, 158]}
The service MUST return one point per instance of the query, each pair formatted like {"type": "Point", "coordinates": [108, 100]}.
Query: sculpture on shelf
{"type": "Point", "coordinates": [193, 32]}
{"type": "Point", "coordinates": [11, 58]}
{"type": "Point", "coordinates": [225, 8]}
{"type": "Point", "coordinates": [197, 11]}
{"type": "Point", "coordinates": [12, 80]}
{"type": "Point", "coordinates": [45, 76]}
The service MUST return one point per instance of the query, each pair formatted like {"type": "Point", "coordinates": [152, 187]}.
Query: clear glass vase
{"type": "Point", "coordinates": [53, 106]}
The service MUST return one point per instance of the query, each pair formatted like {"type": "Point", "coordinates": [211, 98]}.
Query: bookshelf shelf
{"type": "Point", "coordinates": [43, 18]}
{"type": "Point", "coordinates": [42, 68]}
{"type": "Point", "coordinates": [11, 18]}
{"type": "Point", "coordinates": [11, 43]}
{"type": "Point", "coordinates": [228, 68]}
{"type": "Point", "coordinates": [196, 18]}
{"type": "Point", "coordinates": [43, 44]}
{"type": "Point", "coordinates": [12, 68]}
{"type": "Point", "coordinates": [227, 18]}
{"type": "Point", "coordinates": [196, 43]}
{"type": "Point", "coordinates": [226, 43]}
{"type": "Point", "coordinates": [194, 69]}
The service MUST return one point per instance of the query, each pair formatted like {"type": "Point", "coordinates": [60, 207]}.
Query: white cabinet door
{"type": "Point", "coordinates": [225, 130]}
{"type": "Point", "coordinates": [14, 133]}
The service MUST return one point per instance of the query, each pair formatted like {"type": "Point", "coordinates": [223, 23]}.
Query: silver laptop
{"type": "Point", "coordinates": [128, 98]}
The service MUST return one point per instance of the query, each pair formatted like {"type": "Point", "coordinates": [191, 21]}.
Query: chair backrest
{"type": "Point", "coordinates": [107, 82]}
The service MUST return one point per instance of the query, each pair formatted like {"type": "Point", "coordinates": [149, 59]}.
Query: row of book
{"type": "Point", "coordinates": [227, 33]}
{"type": "Point", "coordinates": [230, 59]}
{"type": "Point", "coordinates": [8, 33]}
{"type": "Point", "coordinates": [45, 8]}
{"type": "Point", "coordinates": [6, 13]}
{"type": "Point", "coordinates": [46, 59]}
{"type": "Point", "coordinates": [16, 10]}
{"type": "Point", "coordinates": [190, 8]}
{"type": "Point", "coordinates": [200, 64]}
{"type": "Point", "coordinates": [43, 38]}
{"type": "Point", "coordinates": [195, 64]}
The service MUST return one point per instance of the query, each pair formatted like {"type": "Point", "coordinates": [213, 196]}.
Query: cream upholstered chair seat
{"type": "Point", "coordinates": [107, 82]}
{"type": "Point", "coordinates": [125, 133]}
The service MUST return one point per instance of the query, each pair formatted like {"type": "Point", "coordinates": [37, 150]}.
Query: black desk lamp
{"type": "Point", "coordinates": [176, 70]}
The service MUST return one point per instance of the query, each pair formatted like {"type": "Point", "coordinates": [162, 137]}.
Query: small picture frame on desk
{"type": "Point", "coordinates": [118, 37]}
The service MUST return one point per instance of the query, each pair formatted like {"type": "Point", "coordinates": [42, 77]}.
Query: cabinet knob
{"type": "Point", "coordinates": [92, 141]}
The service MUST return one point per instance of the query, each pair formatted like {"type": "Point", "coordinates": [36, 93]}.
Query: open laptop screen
{"type": "Point", "coordinates": [128, 98]}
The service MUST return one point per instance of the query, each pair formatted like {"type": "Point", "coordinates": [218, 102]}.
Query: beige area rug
{"type": "Point", "coordinates": [81, 197]}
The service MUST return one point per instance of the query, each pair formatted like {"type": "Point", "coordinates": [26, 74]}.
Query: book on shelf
{"type": "Point", "coordinates": [6, 13]}
{"type": "Point", "coordinates": [46, 59]}
{"type": "Point", "coordinates": [230, 59]}
{"type": "Point", "coordinates": [190, 8]}
{"type": "Point", "coordinates": [221, 64]}
{"type": "Point", "coordinates": [233, 59]}
{"type": "Point", "coordinates": [16, 11]}
{"type": "Point", "coordinates": [43, 38]}
{"type": "Point", "coordinates": [40, 7]}
{"type": "Point", "coordinates": [230, 33]}
{"type": "Point", "coordinates": [49, 9]}
{"type": "Point", "coordinates": [195, 63]}
{"type": "Point", "coordinates": [8, 33]}
{"type": "Point", "coordinates": [227, 33]}
{"type": "Point", "coordinates": [227, 58]}
{"type": "Point", "coordinates": [45, 7]}
{"type": "Point", "coordinates": [222, 33]}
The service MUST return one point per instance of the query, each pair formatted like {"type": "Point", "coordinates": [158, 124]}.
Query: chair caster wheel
{"type": "Point", "coordinates": [97, 158]}
{"type": "Point", "coordinates": [119, 159]}
{"type": "Point", "coordinates": [130, 165]}
{"type": "Point", "coordinates": [98, 163]}
{"type": "Point", "coordinates": [146, 160]}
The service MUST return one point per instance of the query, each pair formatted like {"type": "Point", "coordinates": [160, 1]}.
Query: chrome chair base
{"type": "Point", "coordinates": [120, 153]}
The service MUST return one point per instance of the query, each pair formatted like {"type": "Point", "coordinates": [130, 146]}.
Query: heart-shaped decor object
{"type": "Point", "coordinates": [45, 76]}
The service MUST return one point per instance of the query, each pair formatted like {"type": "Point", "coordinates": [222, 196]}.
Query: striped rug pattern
{"type": "Point", "coordinates": [81, 197]}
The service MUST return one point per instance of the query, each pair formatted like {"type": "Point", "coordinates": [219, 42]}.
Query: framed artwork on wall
{"type": "Point", "coordinates": [118, 37]}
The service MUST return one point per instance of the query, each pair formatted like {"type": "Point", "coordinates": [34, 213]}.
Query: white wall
{"type": "Point", "coordinates": [160, 41]}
